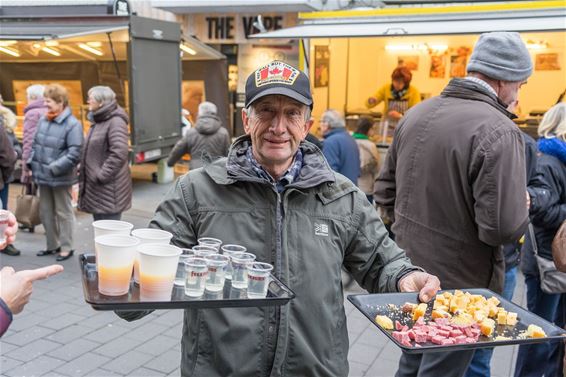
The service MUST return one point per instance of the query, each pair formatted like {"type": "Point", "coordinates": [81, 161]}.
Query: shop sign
{"type": "Point", "coordinates": [121, 8]}
{"type": "Point", "coordinates": [236, 28]}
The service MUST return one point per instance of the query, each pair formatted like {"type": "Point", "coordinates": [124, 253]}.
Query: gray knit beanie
{"type": "Point", "coordinates": [501, 56]}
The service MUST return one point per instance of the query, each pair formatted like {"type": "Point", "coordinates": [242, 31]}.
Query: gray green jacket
{"type": "Point", "coordinates": [325, 221]}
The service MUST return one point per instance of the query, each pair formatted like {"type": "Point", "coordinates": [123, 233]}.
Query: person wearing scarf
{"type": "Point", "coordinates": [547, 212]}
{"type": "Point", "coordinates": [56, 151]}
{"type": "Point", "coordinates": [398, 96]}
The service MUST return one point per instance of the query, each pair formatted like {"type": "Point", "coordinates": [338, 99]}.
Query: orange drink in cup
{"type": "Point", "coordinates": [116, 255]}
{"type": "Point", "coordinates": [149, 235]}
{"type": "Point", "coordinates": [158, 265]}
{"type": "Point", "coordinates": [106, 227]}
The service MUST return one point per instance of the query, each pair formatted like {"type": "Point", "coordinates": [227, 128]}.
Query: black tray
{"type": "Point", "coordinates": [277, 294]}
{"type": "Point", "coordinates": [373, 304]}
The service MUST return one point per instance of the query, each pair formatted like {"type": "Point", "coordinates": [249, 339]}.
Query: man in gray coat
{"type": "Point", "coordinates": [277, 195]}
{"type": "Point", "coordinates": [207, 137]}
{"type": "Point", "coordinates": [454, 179]}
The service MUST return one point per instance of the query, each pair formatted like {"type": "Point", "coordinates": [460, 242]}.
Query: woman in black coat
{"type": "Point", "coordinates": [547, 212]}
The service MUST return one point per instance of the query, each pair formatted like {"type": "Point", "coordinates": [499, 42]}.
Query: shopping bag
{"type": "Point", "coordinates": [27, 209]}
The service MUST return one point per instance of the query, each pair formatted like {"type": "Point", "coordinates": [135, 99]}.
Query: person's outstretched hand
{"type": "Point", "coordinates": [426, 284]}
{"type": "Point", "coordinates": [16, 287]}
{"type": "Point", "coordinates": [11, 230]}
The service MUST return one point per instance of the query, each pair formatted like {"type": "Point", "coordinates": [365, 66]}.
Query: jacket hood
{"type": "Point", "coordinates": [35, 104]}
{"type": "Point", "coordinates": [466, 89]}
{"type": "Point", "coordinates": [236, 167]}
{"type": "Point", "coordinates": [208, 124]}
{"type": "Point", "coordinates": [106, 112]}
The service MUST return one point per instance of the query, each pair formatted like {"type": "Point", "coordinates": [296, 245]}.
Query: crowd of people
{"type": "Point", "coordinates": [460, 188]}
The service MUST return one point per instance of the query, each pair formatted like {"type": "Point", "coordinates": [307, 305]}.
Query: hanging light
{"type": "Point", "coordinates": [9, 51]}
{"type": "Point", "coordinates": [90, 49]}
{"type": "Point", "coordinates": [534, 45]}
{"type": "Point", "coordinates": [187, 49]}
{"type": "Point", "coordinates": [411, 47]}
{"type": "Point", "coordinates": [51, 51]}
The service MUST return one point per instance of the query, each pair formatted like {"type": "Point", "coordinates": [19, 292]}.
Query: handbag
{"type": "Point", "coordinates": [27, 208]}
{"type": "Point", "coordinates": [552, 281]}
{"type": "Point", "coordinates": [559, 248]}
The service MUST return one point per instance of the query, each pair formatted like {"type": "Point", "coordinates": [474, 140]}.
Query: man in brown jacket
{"type": "Point", "coordinates": [454, 180]}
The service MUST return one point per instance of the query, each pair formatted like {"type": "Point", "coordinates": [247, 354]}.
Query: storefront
{"type": "Point", "coordinates": [352, 53]}
{"type": "Point", "coordinates": [149, 64]}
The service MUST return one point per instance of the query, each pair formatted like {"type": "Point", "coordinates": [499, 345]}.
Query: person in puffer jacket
{"type": "Point", "coordinates": [207, 137]}
{"type": "Point", "coordinates": [55, 154]}
{"type": "Point", "coordinates": [105, 183]}
{"type": "Point", "coordinates": [33, 112]}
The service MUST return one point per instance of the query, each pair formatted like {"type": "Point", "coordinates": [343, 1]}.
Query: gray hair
{"type": "Point", "coordinates": [102, 94]}
{"type": "Point", "coordinates": [207, 108]}
{"type": "Point", "coordinates": [35, 91]}
{"type": "Point", "coordinates": [333, 118]}
{"type": "Point", "coordinates": [553, 123]}
{"type": "Point", "coordinates": [307, 114]}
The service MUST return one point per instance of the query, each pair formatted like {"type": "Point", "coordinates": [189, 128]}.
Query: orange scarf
{"type": "Point", "coordinates": [50, 115]}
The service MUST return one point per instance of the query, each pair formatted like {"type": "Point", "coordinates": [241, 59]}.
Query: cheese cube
{"type": "Point", "coordinates": [419, 311]}
{"type": "Point", "coordinates": [487, 326]}
{"type": "Point", "coordinates": [384, 322]}
{"type": "Point", "coordinates": [511, 319]}
{"type": "Point", "coordinates": [534, 331]}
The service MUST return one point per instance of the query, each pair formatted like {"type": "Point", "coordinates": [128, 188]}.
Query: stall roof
{"type": "Point", "coordinates": [236, 6]}
{"type": "Point", "coordinates": [525, 16]}
{"type": "Point", "coordinates": [59, 27]}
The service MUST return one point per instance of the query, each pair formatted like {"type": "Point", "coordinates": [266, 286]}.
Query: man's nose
{"type": "Point", "coordinates": [278, 124]}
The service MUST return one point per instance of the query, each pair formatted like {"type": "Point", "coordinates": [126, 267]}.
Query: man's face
{"type": "Point", "coordinates": [508, 92]}
{"type": "Point", "coordinates": [276, 125]}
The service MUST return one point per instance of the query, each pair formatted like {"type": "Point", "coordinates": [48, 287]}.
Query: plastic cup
{"type": "Point", "coordinates": [228, 250]}
{"type": "Point", "coordinates": [148, 235]}
{"type": "Point", "coordinates": [116, 254]}
{"type": "Point", "coordinates": [240, 262]}
{"type": "Point", "coordinates": [202, 251]}
{"type": "Point", "coordinates": [216, 273]}
{"type": "Point", "coordinates": [158, 264]}
{"type": "Point", "coordinates": [106, 227]}
{"type": "Point", "coordinates": [209, 241]}
{"type": "Point", "coordinates": [197, 271]}
{"type": "Point", "coordinates": [181, 274]}
{"type": "Point", "coordinates": [258, 279]}
{"type": "Point", "coordinates": [4, 215]}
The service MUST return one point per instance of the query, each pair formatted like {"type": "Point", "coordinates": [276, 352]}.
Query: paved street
{"type": "Point", "coordinates": [58, 334]}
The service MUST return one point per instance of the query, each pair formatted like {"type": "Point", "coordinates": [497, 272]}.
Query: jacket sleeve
{"type": "Point", "coordinates": [117, 150]}
{"type": "Point", "coordinates": [499, 188]}
{"type": "Point", "coordinates": [7, 156]}
{"type": "Point", "coordinates": [379, 96]}
{"type": "Point", "coordinates": [72, 156]}
{"type": "Point", "coordinates": [5, 317]}
{"type": "Point", "coordinates": [178, 151]}
{"type": "Point", "coordinates": [414, 97]}
{"type": "Point", "coordinates": [530, 157]}
{"type": "Point", "coordinates": [171, 215]}
{"type": "Point", "coordinates": [374, 260]}
{"type": "Point", "coordinates": [384, 190]}
{"type": "Point", "coordinates": [547, 210]}
{"type": "Point", "coordinates": [227, 144]}
{"type": "Point", "coordinates": [331, 151]}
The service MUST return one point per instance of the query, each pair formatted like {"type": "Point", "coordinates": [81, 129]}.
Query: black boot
{"type": "Point", "coordinates": [42, 253]}
{"type": "Point", "coordinates": [11, 250]}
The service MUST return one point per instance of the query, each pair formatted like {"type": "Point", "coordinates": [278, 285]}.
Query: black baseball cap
{"type": "Point", "coordinates": [281, 78]}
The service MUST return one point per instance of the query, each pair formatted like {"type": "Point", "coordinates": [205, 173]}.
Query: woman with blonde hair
{"type": "Point", "coordinates": [547, 213]}
{"type": "Point", "coordinates": [105, 184]}
{"type": "Point", "coordinates": [56, 151]}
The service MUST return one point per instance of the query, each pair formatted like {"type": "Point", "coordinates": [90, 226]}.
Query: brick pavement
{"type": "Point", "coordinates": [58, 334]}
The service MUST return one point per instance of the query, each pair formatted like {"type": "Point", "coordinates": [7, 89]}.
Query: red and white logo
{"type": "Point", "coordinates": [276, 73]}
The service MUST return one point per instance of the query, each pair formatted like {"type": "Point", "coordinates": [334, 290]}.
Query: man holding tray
{"type": "Point", "coordinates": [276, 195]}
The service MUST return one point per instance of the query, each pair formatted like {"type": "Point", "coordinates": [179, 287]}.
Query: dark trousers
{"type": "Point", "coordinates": [107, 216]}
{"type": "Point", "coordinates": [4, 196]}
{"type": "Point", "coordinates": [535, 360]}
{"type": "Point", "coordinates": [437, 364]}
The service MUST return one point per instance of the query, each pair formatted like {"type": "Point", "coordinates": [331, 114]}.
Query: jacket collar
{"type": "Point", "coordinates": [333, 131]}
{"type": "Point", "coordinates": [236, 166]}
{"type": "Point", "coordinates": [35, 104]}
{"type": "Point", "coordinates": [64, 115]}
{"type": "Point", "coordinates": [467, 89]}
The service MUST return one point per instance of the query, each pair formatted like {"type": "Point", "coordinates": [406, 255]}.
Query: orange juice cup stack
{"type": "Point", "coordinates": [158, 265]}
{"type": "Point", "coordinates": [146, 236]}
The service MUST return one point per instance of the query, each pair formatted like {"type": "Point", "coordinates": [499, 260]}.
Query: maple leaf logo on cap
{"type": "Point", "coordinates": [276, 73]}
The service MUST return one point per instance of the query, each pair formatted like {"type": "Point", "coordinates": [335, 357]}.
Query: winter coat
{"type": "Point", "coordinates": [7, 158]}
{"type": "Point", "coordinates": [455, 177]}
{"type": "Point", "coordinates": [512, 251]}
{"type": "Point", "coordinates": [105, 184]}
{"type": "Point", "coordinates": [207, 137]}
{"type": "Point", "coordinates": [342, 154]}
{"type": "Point", "coordinates": [56, 150]}
{"type": "Point", "coordinates": [32, 113]}
{"type": "Point", "coordinates": [548, 208]}
{"type": "Point", "coordinates": [369, 163]}
{"type": "Point", "coordinates": [326, 222]}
